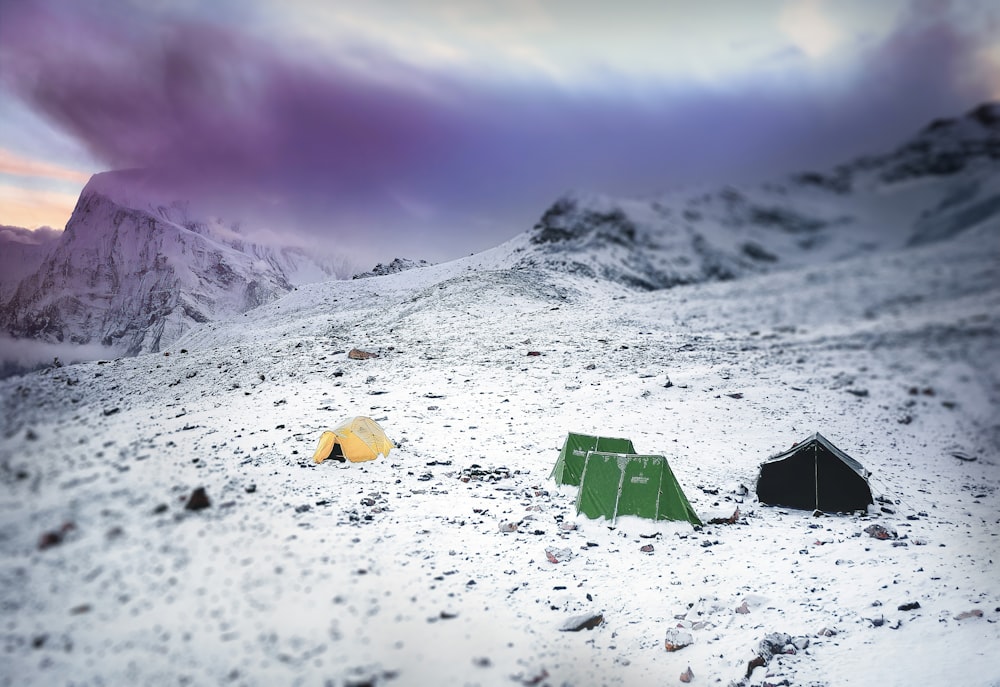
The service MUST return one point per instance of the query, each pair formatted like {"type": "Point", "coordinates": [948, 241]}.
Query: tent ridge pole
{"type": "Point", "coordinates": [816, 474]}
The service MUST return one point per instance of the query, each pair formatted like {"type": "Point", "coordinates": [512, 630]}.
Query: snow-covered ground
{"type": "Point", "coordinates": [399, 572]}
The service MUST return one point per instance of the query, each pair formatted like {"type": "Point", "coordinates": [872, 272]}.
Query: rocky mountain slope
{"type": "Point", "coordinates": [134, 276]}
{"type": "Point", "coordinates": [21, 254]}
{"type": "Point", "coordinates": [942, 182]}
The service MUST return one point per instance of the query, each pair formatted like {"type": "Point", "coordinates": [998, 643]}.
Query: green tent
{"type": "Point", "coordinates": [569, 466]}
{"type": "Point", "coordinates": [614, 484]}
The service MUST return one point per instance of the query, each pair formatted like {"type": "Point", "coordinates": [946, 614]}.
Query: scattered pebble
{"type": "Point", "coordinates": [587, 621]}
{"type": "Point", "coordinates": [55, 537]}
{"type": "Point", "coordinates": [880, 532]}
{"type": "Point", "coordinates": [198, 500]}
{"type": "Point", "coordinates": [560, 555]}
{"type": "Point", "coordinates": [677, 639]}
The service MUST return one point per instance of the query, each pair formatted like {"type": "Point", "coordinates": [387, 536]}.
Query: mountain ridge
{"type": "Point", "coordinates": [136, 273]}
{"type": "Point", "coordinates": [942, 182]}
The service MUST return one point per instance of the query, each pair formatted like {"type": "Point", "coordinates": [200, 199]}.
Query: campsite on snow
{"type": "Point", "coordinates": [737, 436]}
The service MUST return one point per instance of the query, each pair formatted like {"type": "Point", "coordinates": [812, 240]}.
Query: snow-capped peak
{"type": "Point", "coordinates": [133, 273]}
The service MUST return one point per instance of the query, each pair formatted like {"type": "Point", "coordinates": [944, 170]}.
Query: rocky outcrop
{"type": "Point", "coordinates": [397, 265]}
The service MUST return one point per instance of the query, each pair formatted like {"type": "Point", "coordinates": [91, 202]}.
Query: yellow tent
{"type": "Point", "coordinates": [357, 439]}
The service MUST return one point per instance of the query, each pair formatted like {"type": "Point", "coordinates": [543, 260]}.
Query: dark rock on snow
{"type": "Point", "coordinates": [773, 643]}
{"type": "Point", "coordinates": [198, 500]}
{"type": "Point", "coordinates": [55, 537]}
{"type": "Point", "coordinates": [587, 621]}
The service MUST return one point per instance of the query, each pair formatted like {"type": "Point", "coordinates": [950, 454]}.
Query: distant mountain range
{"type": "Point", "coordinates": [21, 254]}
{"type": "Point", "coordinates": [135, 275]}
{"type": "Point", "coordinates": [944, 181]}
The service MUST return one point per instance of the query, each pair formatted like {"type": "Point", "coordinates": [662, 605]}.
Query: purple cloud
{"type": "Point", "coordinates": [421, 161]}
{"type": "Point", "coordinates": [28, 237]}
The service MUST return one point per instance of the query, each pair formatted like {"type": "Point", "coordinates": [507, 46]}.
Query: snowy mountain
{"type": "Point", "coordinates": [134, 276]}
{"type": "Point", "coordinates": [21, 254]}
{"type": "Point", "coordinates": [944, 181]}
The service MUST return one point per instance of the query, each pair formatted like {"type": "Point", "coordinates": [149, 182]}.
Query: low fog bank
{"type": "Point", "coordinates": [20, 356]}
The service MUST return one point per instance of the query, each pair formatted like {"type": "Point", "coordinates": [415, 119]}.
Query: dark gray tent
{"type": "Point", "coordinates": [814, 475]}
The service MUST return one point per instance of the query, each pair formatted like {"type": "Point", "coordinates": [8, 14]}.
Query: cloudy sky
{"type": "Point", "coordinates": [434, 128]}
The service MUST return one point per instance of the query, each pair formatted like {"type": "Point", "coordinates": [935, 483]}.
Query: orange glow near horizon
{"type": "Point", "coordinates": [32, 195]}
{"type": "Point", "coordinates": [31, 209]}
